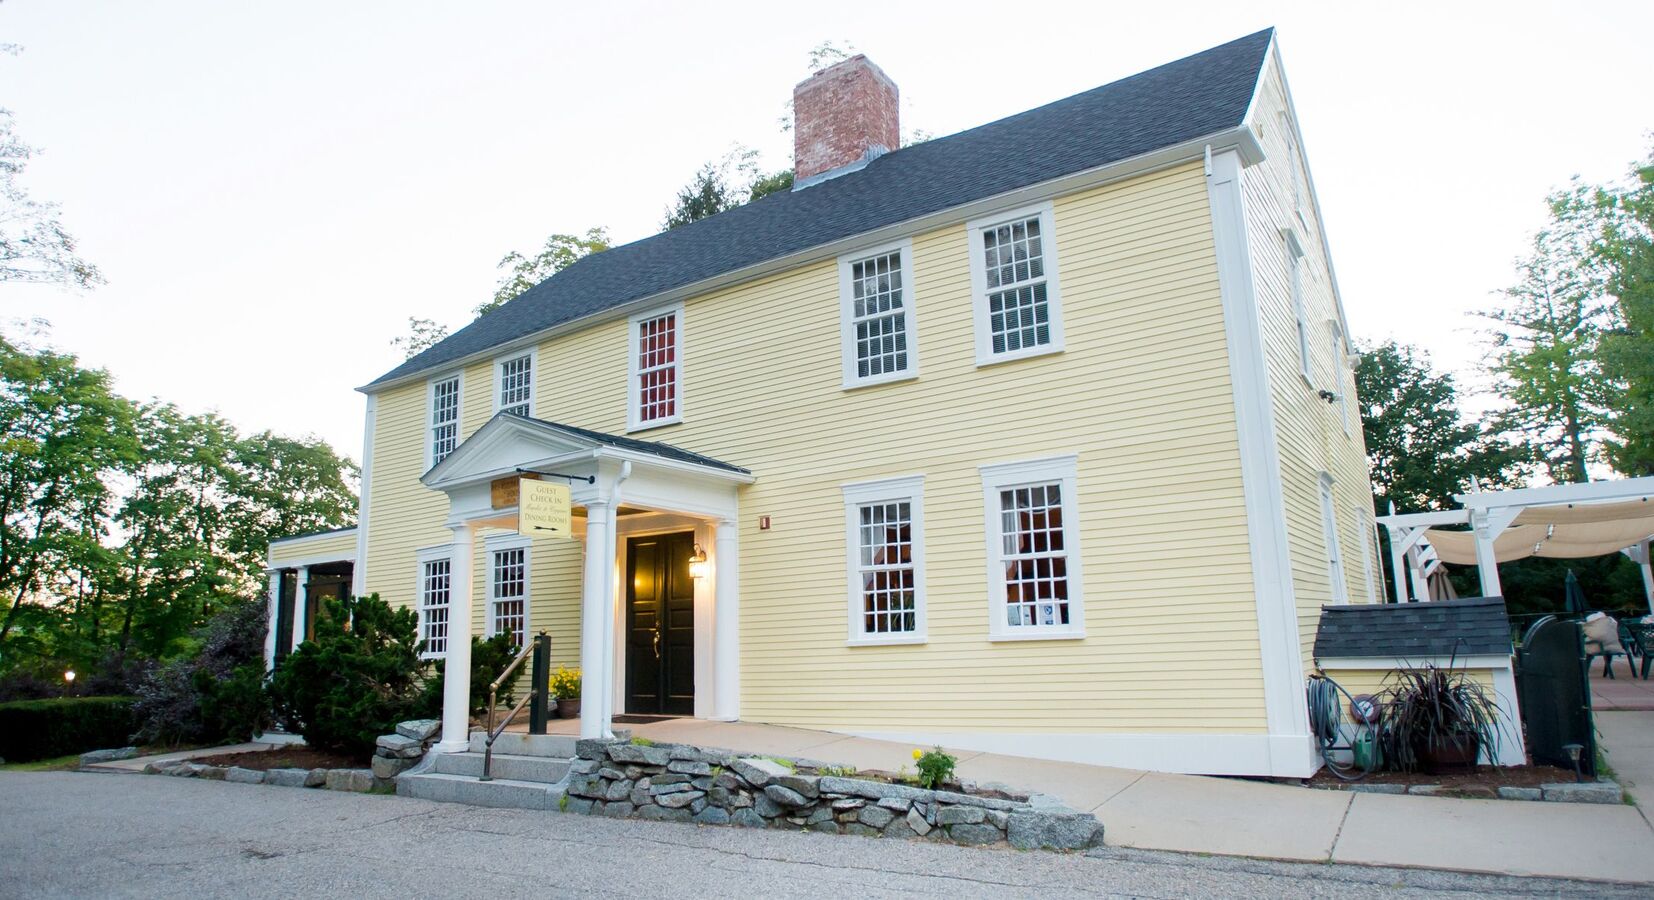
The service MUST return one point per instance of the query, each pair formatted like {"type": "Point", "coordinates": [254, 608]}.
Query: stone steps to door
{"type": "Point", "coordinates": [501, 793]}
{"type": "Point", "coordinates": [509, 767]}
{"type": "Point", "coordinates": [516, 743]}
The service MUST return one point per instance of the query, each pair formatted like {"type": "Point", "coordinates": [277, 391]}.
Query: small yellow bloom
{"type": "Point", "coordinates": [917, 753]}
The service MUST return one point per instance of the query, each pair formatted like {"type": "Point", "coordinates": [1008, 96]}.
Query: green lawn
{"type": "Point", "coordinates": [44, 765]}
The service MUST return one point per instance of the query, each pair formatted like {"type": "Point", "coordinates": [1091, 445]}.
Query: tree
{"type": "Point", "coordinates": [1420, 448]}
{"type": "Point", "coordinates": [64, 430]}
{"type": "Point", "coordinates": [1546, 342]}
{"type": "Point", "coordinates": [773, 183]}
{"type": "Point", "coordinates": [724, 184]}
{"type": "Point", "coordinates": [1626, 251]}
{"type": "Point", "coordinates": [34, 246]}
{"type": "Point", "coordinates": [422, 335]}
{"type": "Point", "coordinates": [559, 252]}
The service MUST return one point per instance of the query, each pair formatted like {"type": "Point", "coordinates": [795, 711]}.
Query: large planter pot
{"type": "Point", "coordinates": [1449, 757]}
{"type": "Point", "coordinates": [568, 709]}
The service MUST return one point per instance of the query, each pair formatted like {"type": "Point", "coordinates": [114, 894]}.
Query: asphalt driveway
{"type": "Point", "coordinates": [67, 834]}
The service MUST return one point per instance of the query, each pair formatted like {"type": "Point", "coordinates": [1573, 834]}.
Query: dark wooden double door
{"type": "Point", "coordinates": [660, 625]}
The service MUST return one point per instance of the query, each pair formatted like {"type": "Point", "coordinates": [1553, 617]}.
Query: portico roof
{"type": "Point", "coordinates": [509, 442]}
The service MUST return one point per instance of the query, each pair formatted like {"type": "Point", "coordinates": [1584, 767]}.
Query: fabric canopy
{"type": "Point", "coordinates": [1568, 531]}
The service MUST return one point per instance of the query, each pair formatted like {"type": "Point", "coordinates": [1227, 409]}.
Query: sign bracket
{"type": "Point", "coordinates": [589, 479]}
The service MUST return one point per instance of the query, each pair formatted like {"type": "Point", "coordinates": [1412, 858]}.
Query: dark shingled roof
{"type": "Point", "coordinates": [1414, 631]}
{"type": "Point", "coordinates": [1180, 101]}
{"type": "Point", "coordinates": [653, 448]}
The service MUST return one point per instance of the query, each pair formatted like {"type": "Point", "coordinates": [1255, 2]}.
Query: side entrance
{"type": "Point", "coordinates": [660, 625]}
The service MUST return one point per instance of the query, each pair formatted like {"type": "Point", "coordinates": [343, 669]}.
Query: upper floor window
{"type": "Point", "coordinates": [434, 591]}
{"type": "Point", "coordinates": [1335, 557]}
{"type": "Point", "coordinates": [1014, 286]}
{"type": "Point", "coordinates": [444, 422]}
{"type": "Point", "coordinates": [656, 397]}
{"type": "Point", "coordinates": [1295, 271]}
{"type": "Point", "coordinates": [877, 315]}
{"type": "Point", "coordinates": [885, 530]}
{"type": "Point", "coordinates": [1033, 550]}
{"type": "Point", "coordinates": [508, 590]}
{"type": "Point", "coordinates": [514, 385]}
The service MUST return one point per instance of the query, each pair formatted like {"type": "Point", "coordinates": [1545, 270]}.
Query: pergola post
{"type": "Point", "coordinates": [1644, 562]}
{"type": "Point", "coordinates": [596, 685]}
{"type": "Point", "coordinates": [456, 683]}
{"type": "Point", "coordinates": [1487, 565]}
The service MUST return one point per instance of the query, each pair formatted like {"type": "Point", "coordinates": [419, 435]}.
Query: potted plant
{"type": "Point", "coordinates": [1437, 719]}
{"type": "Point", "coordinates": [565, 688]}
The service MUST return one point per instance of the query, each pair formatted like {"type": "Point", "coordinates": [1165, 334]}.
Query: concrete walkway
{"type": "Point", "coordinates": [1236, 817]}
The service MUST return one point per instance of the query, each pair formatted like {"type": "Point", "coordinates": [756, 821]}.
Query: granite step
{"type": "Point", "coordinates": [501, 793]}
{"type": "Point", "coordinates": [517, 743]}
{"type": "Point", "coordinates": [507, 766]}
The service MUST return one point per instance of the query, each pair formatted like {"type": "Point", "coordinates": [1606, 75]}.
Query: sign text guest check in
{"type": "Point", "coordinates": [543, 509]}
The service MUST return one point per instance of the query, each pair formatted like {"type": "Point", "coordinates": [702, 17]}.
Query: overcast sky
{"type": "Point", "coordinates": [272, 189]}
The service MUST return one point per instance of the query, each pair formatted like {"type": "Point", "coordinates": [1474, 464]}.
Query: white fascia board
{"type": "Point", "coordinates": [1239, 138]}
{"type": "Point", "coordinates": [1424, 519]}
{"type": "Point", "coordinates": [1384, 663]}
{"type": "Point", "coordinates": [1556, 494]}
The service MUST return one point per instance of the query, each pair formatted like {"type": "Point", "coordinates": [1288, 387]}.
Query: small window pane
{"type": "Point", "coordinates": [516, 385]}
{"type": "Point", "coordinates": [1035, 564]}
{"type": "Point", "coordinates": [886, 568]}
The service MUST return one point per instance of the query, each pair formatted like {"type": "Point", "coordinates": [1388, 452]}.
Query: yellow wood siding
{"type": "Point", "coordinates": [329, 546]}
{"type": "Point", "coordinates": [1309, 431]}
{"type": "Point", "coordinates": [1141, 394]}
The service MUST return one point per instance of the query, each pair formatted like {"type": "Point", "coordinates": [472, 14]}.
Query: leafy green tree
{"type": "Point", "coordinates": [772, 183]}
{"type": "Point", "coordinates": [1546, 346]}
{"type": "Point", "coordinates": [707, 194]}
{"type": "Point", "coordinates": [1626, 250]}
{"type": "Point", "coordinates": [422, 335]}
{"type": "Point", "coordinates": [559, 252]}
{"type": "Point", "coordinates": [34, 246]}
{"type": "Point", "coordinates": [63, 429]}
{"type": "Point", "coordinates": [1420, 447]}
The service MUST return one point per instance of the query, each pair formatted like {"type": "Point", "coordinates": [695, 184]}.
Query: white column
{"type": "Point", "coordinates": [456, 685]}
{"type": "Point", "coordinates": [726, 622]}
{"type": "Point", "coordinates": [275, 618]}
{"type": "Point", "coordinates": [1398, 559]}
{"type": "Point", "coordinates": [301, 606]}
{"type": "Point", "coordinates": [1487, 567]}
{"type": "Point", "coordinates": [596, 684]}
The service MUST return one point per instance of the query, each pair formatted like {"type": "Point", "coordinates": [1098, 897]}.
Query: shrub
{"type": "Point", "coordinates": [359, 677]}
{"type": "Point", "coordinates": [488, 659]}
{"type": "Point", "coordinates": [935, 767]}
{"type": "Point", "coordinates": [188, 701]}
{"type": "Point", "coordinates": [42, 729]}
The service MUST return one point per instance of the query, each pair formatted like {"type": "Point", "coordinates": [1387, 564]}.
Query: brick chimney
{"type": "Point", "coordinates": [844, 114]}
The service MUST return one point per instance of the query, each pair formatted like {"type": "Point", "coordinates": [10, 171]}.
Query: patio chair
{"type": "Point", "coordinates": [1602, 638]}
{"type": "Point", "coordinates": [1638, 638]}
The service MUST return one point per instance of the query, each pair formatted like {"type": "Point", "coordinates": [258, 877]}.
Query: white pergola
{"type": "Point", "coordinates": [1565, 521]}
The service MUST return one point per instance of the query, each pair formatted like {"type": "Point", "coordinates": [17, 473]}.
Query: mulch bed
{"type": "Point", "coordinates": [285, 758]}
{"type": "Point", "coordinates": [1487, 778]}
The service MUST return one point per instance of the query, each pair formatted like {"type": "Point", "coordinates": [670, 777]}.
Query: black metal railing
{"type": "Point", "coordinates": [540, 649]}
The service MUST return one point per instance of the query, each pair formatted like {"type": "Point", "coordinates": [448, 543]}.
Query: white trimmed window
{"type": "Point", "coordinates": [884, 524]}
{"type": "Point", "coordinates": [1369, 537]}
{"type": "Point", "coordinates": [508, 589]}
{"type": "Point", "coordinates": [1014, 289]}
{"type": "Point", "coordinates": [1329, 533]}
{"type": "Point", "coordinates": [514, 385]}
{"type": "Point", "coordinates": [1034, 583]}
{"type": "Point", "coordinates": [435, 592]}
{"type": "Point", "coordinates": [876, 303]}
{"type": "Point", "coordinates": [444, 418]}
{"type": "Point", "coordinates": [1295, 266]}
{"type": "Point", "coordinates": [656, 394]}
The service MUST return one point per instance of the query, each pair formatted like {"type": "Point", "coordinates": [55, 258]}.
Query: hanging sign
{"type": "Point", "coordinates": [544, 509]}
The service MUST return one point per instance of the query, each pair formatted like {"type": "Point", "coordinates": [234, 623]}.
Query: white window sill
{"type": "Point", "coordinates": [995, 359]}
{"type": "Point", "coordinates": [1035, 634]}
{"type": "Point", "coordinates": [893, 641]}
{"type": "Point", "coordinates": [874, 381]}
{"type": "Point", "coordinates": [652, 424]}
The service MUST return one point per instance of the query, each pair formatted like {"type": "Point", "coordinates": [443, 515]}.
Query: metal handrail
{"type": "Point", "coordinates": [493, 692]}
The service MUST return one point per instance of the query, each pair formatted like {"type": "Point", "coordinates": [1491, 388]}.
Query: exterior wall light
{"type": "Point", "coordinates": [69, 676]}
{"type": "Point", "coordinates": [697, 563]}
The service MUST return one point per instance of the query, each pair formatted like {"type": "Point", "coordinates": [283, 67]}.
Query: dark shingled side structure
{"type": "Point", "coordinates": [1195, 96]}
{"type": "Point", "coordinates": [1414, 631]}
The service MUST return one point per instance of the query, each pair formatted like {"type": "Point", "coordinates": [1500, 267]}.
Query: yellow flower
{"type": "Point", "coordinates": [917, 753]}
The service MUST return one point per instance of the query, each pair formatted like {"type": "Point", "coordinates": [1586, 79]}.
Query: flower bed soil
{"type": "Point", "coordinates": [285, 758]}
{"type": "Point", "coordinates": [1484, 781]}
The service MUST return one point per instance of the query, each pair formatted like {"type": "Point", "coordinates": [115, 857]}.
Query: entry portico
{"type": "Point", "coordinates": [619, 486]}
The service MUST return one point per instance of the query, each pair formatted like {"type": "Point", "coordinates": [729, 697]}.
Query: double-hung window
{"type": "Point", "coordinates": [1034, 583]}
{"type": "Point", "coordinates": [876, 314]}
{"type": "Point", "coordinates": [434, 591]}
{"type": "Point", "coordinates": [1018, 306]}
{"type": "Point", "coordinates": [655, 368]}
{"type": "Point", "coordinates": [1295, 273]}
{"type": "Point", "coordinates": [508, 588]}
{"type": "Point", "coordinates": [514, 384]}
{"type": "Point", "coordinates": [1335, 557]}
{"type": "Point", "coordinates": [884, 525]}
{"type": "Point", "coordinates": [444, 400]}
